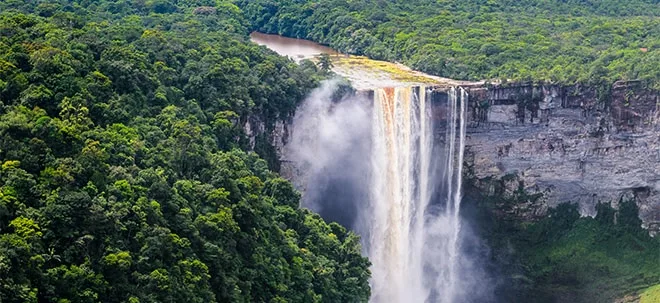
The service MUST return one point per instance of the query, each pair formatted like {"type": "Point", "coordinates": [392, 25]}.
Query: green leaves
{"type": "Point", "coordinates": [599, 258]}
{"type": "Point", "coordinates": [556, 41]}
{"type": "Point", "coordinates": [26, 228]}
{"type": "Point", "coordinates": [325, 63]}
{"type": "Point", "coordinates": [122, 177]}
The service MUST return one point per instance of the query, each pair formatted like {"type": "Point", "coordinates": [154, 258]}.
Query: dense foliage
{"type": "Point", "coordinates": [566, 42]}
{"type": "Point", "coordinates": [124, 173]}
{"type": "Point", "coordinates": [564, 257]}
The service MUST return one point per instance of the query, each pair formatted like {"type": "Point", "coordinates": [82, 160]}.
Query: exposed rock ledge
{"type": "Point", "coordinates": [565, 142]}
{"type": "Point", "coordinates": [562, 141]}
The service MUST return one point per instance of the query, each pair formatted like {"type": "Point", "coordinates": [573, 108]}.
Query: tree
{"type": "Point", "coordinates": [325, 63]}
{"type": "Point", "coordinates": [122, 176]}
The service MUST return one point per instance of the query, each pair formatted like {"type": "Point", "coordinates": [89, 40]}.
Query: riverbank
{"type": "Point", "coordinates": [363, 73]}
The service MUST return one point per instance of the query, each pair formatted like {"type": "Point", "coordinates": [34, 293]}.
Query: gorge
{"type": "Point", "coordinates": [502, 151]}
{"type": "Point", "coordinates": [539, 132]}
{"type": "Point", "coordinates": [557, 143]}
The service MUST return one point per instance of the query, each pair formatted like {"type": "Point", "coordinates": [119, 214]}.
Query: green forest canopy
{"type": "Point", "coordinates": [563, 257]}
{"type": "Point", "coordinates": [124, 175]}
{"type": "Point", "coordinates": [559, 41]}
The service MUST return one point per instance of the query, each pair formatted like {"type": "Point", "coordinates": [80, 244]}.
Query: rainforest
{"type": "Point", "coordinates": [151, 151]}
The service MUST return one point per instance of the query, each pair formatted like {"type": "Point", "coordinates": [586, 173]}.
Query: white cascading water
{"type": "Point", "coordinates": [415, 252]}
{"type": "Point", "coordinates": [454, 171]}
{"type": "Point", "coordinates": [375, 166]}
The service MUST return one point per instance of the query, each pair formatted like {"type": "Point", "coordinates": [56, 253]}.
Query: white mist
{"type": "Point", "coordinates": [409, 218]}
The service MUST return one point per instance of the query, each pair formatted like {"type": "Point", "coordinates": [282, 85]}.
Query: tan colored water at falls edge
{"type": "Point", "coordinates": [363, 73]}
{"type": "Point", "coordinates": [396, 139]}
{"type": "Point", "coordinates": [403, 183]}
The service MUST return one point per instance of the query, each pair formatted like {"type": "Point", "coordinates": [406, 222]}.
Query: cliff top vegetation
{"type": "Point", "coordinates": [566, 42]}
{"type": "Point", "coordinates": [125, 173]}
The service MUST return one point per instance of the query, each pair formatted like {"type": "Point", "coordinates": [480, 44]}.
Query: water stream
{"type": "Point", "coordinates": [362, 72]}
{"type": "Point", "coordinates": [415, 251]}
{"type": "Point", "coordinates": [380, 167]}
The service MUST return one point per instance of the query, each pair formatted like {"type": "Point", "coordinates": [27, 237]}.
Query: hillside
{"type": "Point", "coordinates": [126, 175]}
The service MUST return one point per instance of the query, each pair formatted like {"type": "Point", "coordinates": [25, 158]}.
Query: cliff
{"type": "Point", "coordinates": [559, 143]}
{"type": "Point", "coordinates": [571, 143]}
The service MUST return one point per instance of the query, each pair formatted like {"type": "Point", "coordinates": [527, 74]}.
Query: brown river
{"type": "Point", "coordinates": [364, 73]}
{"type": "Point", "coordinates": [296, 49]}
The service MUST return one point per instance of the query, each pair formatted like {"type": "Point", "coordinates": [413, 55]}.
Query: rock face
{"type": "Point", "coordinates": [277, 134]}
{"type": "Point", "coordinates": [562, 141]}
{"type": "Point", "coordinates": [267, 139]}
{"type": "Point", "coordinates": [558, 141]}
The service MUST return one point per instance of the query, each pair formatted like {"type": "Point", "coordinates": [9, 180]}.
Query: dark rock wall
{"type": "Point", "coordinates": [572, 143]}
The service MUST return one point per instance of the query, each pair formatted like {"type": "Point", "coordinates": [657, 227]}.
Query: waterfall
{"type": "Point", "coordinates": [402, 229]}
{"type": "Point", "coordinates": [454, 192]}
{"type": "Point", "coordinates": [400, 157]}
{"type": "Point", "coordinates": [384, 168]}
